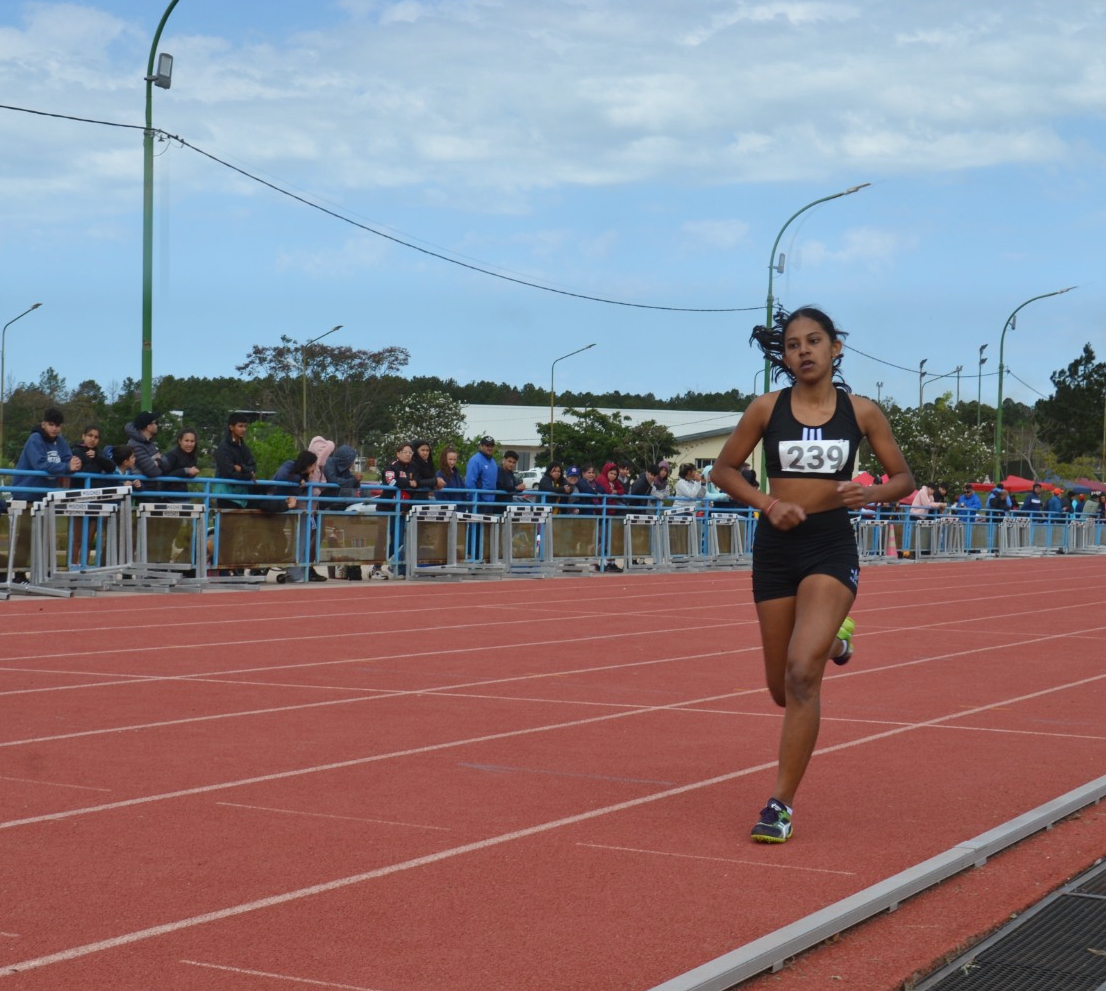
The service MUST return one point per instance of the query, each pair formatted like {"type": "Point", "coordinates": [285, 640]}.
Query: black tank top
{"type": "Point", "coordinates": [794, 450]}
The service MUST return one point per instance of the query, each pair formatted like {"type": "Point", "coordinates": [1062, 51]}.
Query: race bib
{"type": "Point", "coordinates": [815, 457]}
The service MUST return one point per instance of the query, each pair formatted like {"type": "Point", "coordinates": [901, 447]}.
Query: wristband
{"type": "Point", "coordinates": [771, 506]}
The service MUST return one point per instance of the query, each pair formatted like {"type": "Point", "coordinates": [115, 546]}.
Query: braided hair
{"type": "Point", "coordinates": [770, 340]}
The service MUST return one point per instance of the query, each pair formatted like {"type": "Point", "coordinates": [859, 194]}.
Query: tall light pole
{"type": "Point", "coordinates": [162, 78]}
{"type": "Point", "coordinates": [979, 390]}
{"type": "Point", "coordinates": [921, 380]}
{"type": "Point", "coordinates": [777, 266]}
{"type": "Point", "coordinates": [959, 369]}
{"type": "Point", "coordinates": [1010, 324]}
{"type": "Point", "coordinates": [3, 342]}
{"type": "Point", "coordinates": [879, 393]}
{"type": "Point", "coordinates": [303, 371]}
{"type": "Point", "coordinates": [552, 370]}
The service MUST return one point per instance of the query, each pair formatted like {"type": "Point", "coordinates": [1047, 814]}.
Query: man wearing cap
{"type": "Point", "coordinates": [141, 434]}
{"type": "Point", "coordinates": [482, 473]}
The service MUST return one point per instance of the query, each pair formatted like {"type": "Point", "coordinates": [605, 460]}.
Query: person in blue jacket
{"type": "Point", "coordinates": [1055, 505]}
{"type": "Point", "coordinates": [968, 504]}
{"type": "Point", "coordinates": [482, 473]}
{"type": "Point", "coordinates": [46, 450]}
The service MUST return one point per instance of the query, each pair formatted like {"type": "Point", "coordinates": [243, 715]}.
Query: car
{"type": "Point", "coordinates": [530, 477]}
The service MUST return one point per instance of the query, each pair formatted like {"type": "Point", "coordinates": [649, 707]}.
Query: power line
{"type": "Point", "coordinates": [380, 233]}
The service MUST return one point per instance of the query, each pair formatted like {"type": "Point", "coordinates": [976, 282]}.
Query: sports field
{"type": "Point", "coordinates": [538, 784]}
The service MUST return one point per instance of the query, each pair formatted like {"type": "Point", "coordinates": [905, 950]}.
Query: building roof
{"type": "Point", "coordinates": [517, 426]}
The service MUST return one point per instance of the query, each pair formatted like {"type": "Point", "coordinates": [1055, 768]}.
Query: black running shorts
{"type": "Point", "coordinates": [823, 544]}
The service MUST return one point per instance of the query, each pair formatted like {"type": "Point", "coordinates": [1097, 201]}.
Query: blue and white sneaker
{"type": "Point", "coordinates": [845, 635]}
{"type": "Point", "coordinates": [774, 825]}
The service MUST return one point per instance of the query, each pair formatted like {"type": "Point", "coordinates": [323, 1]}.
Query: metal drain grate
{"type": "Point", "coordinates": [1058, 945]}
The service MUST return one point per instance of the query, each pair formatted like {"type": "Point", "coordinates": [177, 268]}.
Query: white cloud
{"type": "Point", "coordinates": [714, 234]}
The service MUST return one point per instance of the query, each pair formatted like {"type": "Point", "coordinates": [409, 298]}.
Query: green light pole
{"type": "Point", "coordinates": [162, 78]}
{"type": "Point", "coordinates": [1010, 325]}
{"type": "Point", "coordinates": [552, 371]}
{"type": "Point", "coordinates": [774, 266]}
{"type": "Point", "coordinates": [303, 371]}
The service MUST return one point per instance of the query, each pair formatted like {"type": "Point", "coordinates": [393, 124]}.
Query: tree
{"type": "Point", "coordinates": [343, 394]}
{"type": "Point", "coordinates": [583, 436]}
{"type": "Point", "coordinates": [270, 446]}
{"type": "Point", "coordinates": [1071, 419]}
{"type": "Point", "coordinates": [936, 444]}
{"type": "Point", "coordinates": [431, 416]}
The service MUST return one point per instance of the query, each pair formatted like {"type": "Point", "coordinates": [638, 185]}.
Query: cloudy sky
{"type": "Point", "coordinates": [642, 151]}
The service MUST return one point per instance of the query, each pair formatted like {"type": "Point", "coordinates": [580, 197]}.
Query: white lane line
{"type": "Point", "coordinates": [326, 815]}
{"type": "Point", "coordinates": [10, 935]}
{"type": "Point", "coordinates": [379, 694]}
{"type": "Point", "coordinates": [278, 977]}
{"type": "Point", "coordinates": [721, 860]}
{"type": "Point", "coordinates": [244, 908]}
{"type": "Point", "coordinates": [52, 784]}
{"type": "Point", "coordinates": [501, 769]}
{"type": "Point", "coordinates": [336, 765]}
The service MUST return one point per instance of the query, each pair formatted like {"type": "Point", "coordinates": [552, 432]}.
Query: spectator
{"type": "Point", "coordinates": [1091, 506]}
{"type": "Point", "coordinates": [422, 469]}
{"type": "Point", "coordinates": [1055, 506]}
{"type": "Point", "coordinates": [588, 494]}
{"type": "Point", "coordinates": [508, 484]}
{"type": "Point", "coordinates": [482, 473]}
{"type": "Point", "coordinates": [141, 433]}
{"type": "Point", "coordinates": [1068, 502]}
{"type": "Point", "coordinates": [554, 487]}
{"type": "Point", "coordinates": [235, 465]}
{"type": "Point", "coordinates": [399, 474]}
{"type": "Point", "coordinates": [47, 451]}
{"type": "Point", "coordinates": [607, 482]}
{"type": "Point", "coordinates": [1032, 504]}
{"type": "Point", "coordinates": [297, 473]}
{"type": "Point", "coordinates": [322, 449]}
{"type": "Point", "coordinates": [180, 462]}
{"type": "Point", "coordinates": [451, 479]}
{"type": "Point", "coordinates": [641, 492]}
{"type": "Point", "coordinates": [123, 461]}
{"type": "Point", "coordinates": [660, 483]}
{"type": "Point", "coordinates": [748, 474]}
{"type": "Point", "coordinates": [93, 461]}
{"type": "Point", "coordinates": [941, 495]}
{"type": "Point", "coordinates": [968, 504]}
{"type": "Point", "coordinates": [625, 476]}
{"type": "Point", "coordinates": [998, 502]}
{"type": "Point", "coordinates": [690, 488]}
{"type": "Point", "coordinates": [572, 480]}
{"type": "Point", "coordinates": [923, 504]}
{"type": "Point", "coordinates": [338, 471]}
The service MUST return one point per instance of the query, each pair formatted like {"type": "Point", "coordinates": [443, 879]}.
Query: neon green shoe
{"type": "Point", "coordinates": [774, 825]}
{"type": "Point", "coordinates": [845, 635]}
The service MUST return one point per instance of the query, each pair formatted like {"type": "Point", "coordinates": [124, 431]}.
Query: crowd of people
{"type": "Point", "coordinates": [1041, 502]}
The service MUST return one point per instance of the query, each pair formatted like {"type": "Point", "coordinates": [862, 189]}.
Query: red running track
{"type": "Point", "coordinates": [528, 784]}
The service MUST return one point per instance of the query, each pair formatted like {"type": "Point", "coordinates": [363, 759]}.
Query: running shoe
{"type": "Point", "coordinates": [845, 635]}
{"type": "Point", "coordinates": [774, 825]}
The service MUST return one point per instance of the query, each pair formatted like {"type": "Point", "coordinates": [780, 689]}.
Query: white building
{"type": "Point", "coordinates": [700, 434]}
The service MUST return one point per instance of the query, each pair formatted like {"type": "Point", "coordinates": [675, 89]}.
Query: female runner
{"type": "Point", "coordinates": [805, 563]}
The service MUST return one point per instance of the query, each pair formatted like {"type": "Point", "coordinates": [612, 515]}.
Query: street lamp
{"type": "Point", "coordinates": [777, 266]}
{"type": "Point", "coordinates": [552, 369]}
{"type": "Point", "coordinates": [921, 380]}
{"type": "Point", "coordinates": [303, 370]}
{"type": "Point", "coordinates": [3, 341]}
{"type": "Point", "coordinates": [1010, 324]}
{"type": "Point", "coordinates": [979, 389]}
{"type": "Point", "coordinates": [162, 78]}
{"type": "Point", "coordinates": [879, 392]}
